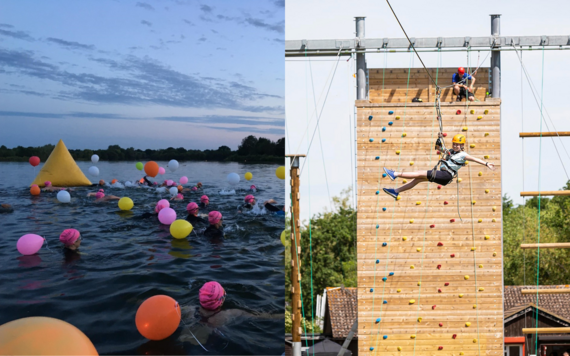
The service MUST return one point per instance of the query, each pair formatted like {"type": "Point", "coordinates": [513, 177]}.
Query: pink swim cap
{"type": "Point", "coordinates": [204, 198]}
{"type": "Point", "coordinates": [252, 187]}
{"type": "Point", "coordinates": [155, 183]}
{"type": "Point", "coordinates": [249, 198]}
{"type": "Point", "coordinates": [191, 207]}
{"type": "Point", "coordinates": [180, 196]}
{"type": "Point", "coordinates": [101, 190]}
{"type": "Point", "coordinates": [194, 189]}
{"type": "Point", "coordinates": [212, 295]}
{"type": "Point", "coordinates": [69, 236]}
{"type": "Point", "coordinates": [214, 217]}
{"type": "Point", "coordinates": [47, 183]}
{"type": "Point", "coordinates": [159, 206]}
{"type": "Point", "coordinates": [99, 195]}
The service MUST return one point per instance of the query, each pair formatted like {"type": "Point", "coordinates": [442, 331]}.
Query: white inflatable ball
{"type": "Point", "coordinates": [94, 158]}
{"type": "Point", "coordinates": [63, 196]}
{"type": "Point", "coordinates": [173, 165]}
{"type": "Point", "coordinates": [94, 171]}
{"type": "Point", "coordinates": [233, 178]}
{"type": "Point", "coordinates": [173, 191]}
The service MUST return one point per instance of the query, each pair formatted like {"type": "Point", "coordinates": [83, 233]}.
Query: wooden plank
{"type": "Point", "coordinates": [545, 291]}
{"type": "Point", "coordinates": [546, 192]}
{"type": "Point", "coordinates": [545, 245]}
{"type": "Point", "coordinates": [546, 330]}
{"type": "Point", "coordinates": [544, 134]}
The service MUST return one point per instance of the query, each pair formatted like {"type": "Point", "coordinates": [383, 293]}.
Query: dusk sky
{"type": "Point", "coordinates": [146, 74]}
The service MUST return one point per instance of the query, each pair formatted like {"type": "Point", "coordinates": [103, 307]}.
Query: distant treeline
{"type": "Point", "coordinates": [251, 150]}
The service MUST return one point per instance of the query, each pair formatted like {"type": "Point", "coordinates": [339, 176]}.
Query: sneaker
{"type": "Point", "coordinates": [458, 98]}
{"type": "Point", "coordinates": [391, 192]}
{"type": "Point", "coordinates": [390, 173]}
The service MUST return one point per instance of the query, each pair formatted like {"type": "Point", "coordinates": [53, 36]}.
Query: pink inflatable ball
{"type": "Point", "coordinates": [194, 189]}
{"type": "Point", "coordinates": [29, 244]}
{"type": "Point", "coordinates": [167, 216]}
{"type": "Point", "coordinates": [161, 170]}
{"type": "Point", "coordinates": [183, 180]}
{"type": "Point", "coordinates": [164, 202]}
{"type": "Point", "coordinates": [169, 182]}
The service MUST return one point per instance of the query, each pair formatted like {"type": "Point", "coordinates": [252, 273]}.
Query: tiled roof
{"type": "Point", "coordinates": [343, 310]}
{"type": "Point", "coordinates": [558, 304]}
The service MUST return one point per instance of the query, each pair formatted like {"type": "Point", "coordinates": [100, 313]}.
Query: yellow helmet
{"type": "Point", "coordinates": [459, 139]}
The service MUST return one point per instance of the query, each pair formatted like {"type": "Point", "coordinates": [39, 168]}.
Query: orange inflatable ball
{"type": "Point", "coordinates": [180, 188]}
{"type": "Point", "coordinates": [151, 169]}
{"type": "Point", "coordinates": [114, 181]}
{"type": "Point", "coordinates": [158, 317]}
{"type": "Point", "coordinates": [35, 190]}
{"type": "Point", "coordinates": [43, 336]}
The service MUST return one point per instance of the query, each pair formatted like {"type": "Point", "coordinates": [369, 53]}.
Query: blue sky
{"type": "Point", "coordinates": [146, 74]}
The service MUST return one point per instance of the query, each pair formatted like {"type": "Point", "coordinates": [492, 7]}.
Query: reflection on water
{"type": "Point", "coordinates": [125, 259]}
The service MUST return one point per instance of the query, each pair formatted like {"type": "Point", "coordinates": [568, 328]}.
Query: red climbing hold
{"type": "Point", "coordinates": [451, 220]}
{"type": "Point", "coordinates": [445, 203]}
{"type": "Point", "coordinates": [440, 348]}
{"type": "Point", "coordinates": [432, 226]}
{"type": "Point", "coordinates": [452, 255]}
{"type": "Point", "coordinates": [438, 152]}
{"type": "Point", "coordinates": [446, 284]}
{"type": "Point", "coordinates": [438, 266]}
{"type": "Point", "coordinates": [444, 134]}
{"type": "Point", "coordinates": [440, 243]}
{"type": "Point", "coordinates": [440, 325]}
{"type": "Point", "coordinates": [439, 187]}
{"type": "Point", "coordinates": [458, 112]}
{"type": "Point", "coordinates": [439, 290]}
{"type": "Point", "coordinates": [454, 336]}
{"type": "Point", "coordinates": [433, 307]}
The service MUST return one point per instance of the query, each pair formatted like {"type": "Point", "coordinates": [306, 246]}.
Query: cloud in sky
{"type": "Point", "coordinates": [145, 6]}
{"type": "Point", "coordinates": [70, 44]}
{"type": "Point", "coordinates": [146, 23]}
{"type": "Point", "coordinates": [278, 27]}
{"type": "Point", "coordinates": [21, 35]}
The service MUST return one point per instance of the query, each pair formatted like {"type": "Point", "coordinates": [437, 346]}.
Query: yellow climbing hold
{"type": "Point", "coordinates": [474, 306]}
{"type": "Point", "coordinates": [404, 134]}
{"type": "Point", "coordinates": [480, 174]}
{"type": "Point", "coordinates": [479, 117]}
{"type": "Point", "coordinates": [486, 112]}
{"type": "Point", "coordinates": [413, 336]}
{"type": "Point", "coordinates": [411, 163]}
{"type": "Point", "coordinates": [419, 249]}
{"type": "Point", "coordinates": [419, 284]}
{"type": "Point", "coordinates": [494, 208]}
{"type": "Point", "coordinates": [461, 353]}
{"type": "Point", "coordinates": [473, 202]}
{"type": "Point", "coordinates": [472, 111]}
{"type": "Point", "coordinates": [398, 290]}
{"type": "Point", "coordinates": [398, 152]}
{"type": "Point", "coordinates": [397, 118]}
{"type": "Point", "coordinates": [473, 248]}
{"type": "Point", "coordinates": [404, 238]}
{"type": "Point", "coordinates": [466, 277]}
{"type": "Point", "coordinates": [411, 221]}
{"type": "Point", "coordinates": [486, 156]}
{"type": "Point", "coordinates": [481, 289]}
{"type": "Point", "coordinates": [412, 267]}
{"type": "Point", "coordinates": [420, 320]}
{"type": "Point", "coordinates": [472, 145]}
{"type": "Point", "coordinates": [480, 220]}
{"type": "Point", "coordinates": [486, 191]}
{"type": "Point", "coordinates": [418, 203]}
{"type": "Point", "coordinates": [398, 198]}
{"type": "Point", "coordinates": [486, 134]}
{"type": "Point", "coordinates": [399, 348]}
{"type": "Point", "coordinates": [460, 295]}
{"type": "Point", "coordinates": [459, 180]}
{"type": "Point", "coordinates": [465, 128]}
{"type": "Point", "coordinates": [404, 180]}
{"type": "Point", "coordinates": [487, 237]}
{"type": "Point", "coordinates": [480, 266]}
{"type": "Point", "coordinates": [475, 341]}
{"type": "Point", "coordinates": [494, 220]}
{"type": "Point", "coordinates": [412, 301]}
{"type": "Point", "coordinates": [466, 163]}
{"type": "Point", "coordinates": [494, 254]}
{"type": "Point", "coordinates": [468, 324]}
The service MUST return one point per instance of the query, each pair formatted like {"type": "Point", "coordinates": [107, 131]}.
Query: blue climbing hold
{"type": "Point", "coordinates": [371, 349]}
{"type": "Point", "coordinates": [391, 273]}
{"type": "Point", "coordinates": [377, 226]}
{"type": "Point", "coordinates": [383, 129]}
{"type": "Point", "coordinates": [371, 290]}
{"type": "Point", "coordinates": [377, 157]}
{"type": "Point", "coordinates": [385, 302]}
{"type": "Point", "coordinates": [371, 140]}
{"type": "Point", "coordinates": [390, 112]}
{"type": "Point", "coordinates": [384, 279]}
{"type": "Point", "coordinates": [383, 140]}
{"type": "Point", "coordinates": [383, 175]}
{"type": "Point", "coordinates": [384, 244]}
{"type": "Point", "coordinates": [378, 320]}
{"type": "Point", "coordinates": [370, 117]}
{"type": "Point", "coordinates": [390, 123]}
{"type": "Point", "coordinates": [384, 209]}
{"type": "Point", "coordinates": [377, 192]}
{"type": "Point", "coordinates": [385, 337]}
{"type": "Point", "coordinates": [377, 261]}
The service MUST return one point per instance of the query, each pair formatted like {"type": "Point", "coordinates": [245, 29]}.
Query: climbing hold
{"type": "Point", "coordinates": [370, 117]}
{"type": "Point", "coordinates": [466, 277]}
{"type": "Point", "coordinates": [439, 290]}
{"type": "Point", "coordinates": [494, 208]}
{"type": "Point", "coordinates": [398, 152]}
{"type": "Point", "coordinates": [480, 220]}
{"type": "Point", "coordinates": [377, 226]}
{"type": "Point", "coordinates": [411, 221]}
{"type": "Point", "coordinates": [383, 140]}
{"type": "Point", "coordinates": [399, 348]}
{"type": "Point", "coordinates": [486, 134]}
{"type": "Point", "coordinates": [378, 320]}
{"type": "Point", "coordinates": [459, 180]}
{"type": "Point", "coordinates": [454, 336]}
{"type": "Point", "coordinates": [397, 118]}
{"type": "Point", "coordinates": [398, 290]}
{"type": "Point", "coordinates": [404, 134]}
{"type": "Point", "coordinates": [390, 112]}
{"type": "Point", "coordinates": [438, 266]}
{"type": "Point", "coordinates": [391, 273]}
{"type": "Point", "coordinates": [440, 325]}
{"type": "Point", "coordinates": [458, 112]}
{"type": "Point", "coordinates": [413, 336]}
{"type": "Point", "coordinates": [451, 220]}
{"type": "Point", "coordinates": [486, 191]}
{"type": "Point", "coordinates": [452, 255]}
{"type": "Point", "coordinates": [404, 238]}
{"type": "Point", "coordinates": [412, 301]}
{"type": "Point", "coordinates": [473, 248]}
{"type": "Point", "coordinates": [371, 290]}
{"type": "Point", "coordinates": [411, 163]}
{"type": "Point", "coordinates": [439, 187]}
{"type": "Point", "coordinates": [371, 140]}
{"type": "Point", "coordinates": [377, 192]}
{"type": "Point", "coordinates": [419, 284]}
{"type": "Point", "coordinates": [480, 266]}
{"type": "Point", "coordinates": [445, 134]}
{"type": "Point", "coordinates": [466, 163]}
{"type": "Point", "coordinates": [432, 226]}
{"type": "Point", "coordinates": [412, 267]}
{"type": "Point", "coordinates": [486, 156]}
{"type": "Point", "coordinates": [399, 197]}
{"type": "Point", "coordinates": [460, 295]}
{"type": "Point", "coordinates": [474, 341]}
{"type": "Point", "coordinates": [487, 237]}
{"type": "Point", "coordinates": [446, 284]}
{"type": "Point", "coordinates": [390, 123]}
{"type": "Point", "coordinates": [383, 129]}
{"type": "Point", "coordinates": [486, 112]}
{"type": "Point", "coordinates": [468, 324]}
{"type": "Point", "coordinates": [465, 128]}
{"type": "Point", "coordinates": [420, 320]}
{"type": "Point", "coordinates": [433, 307]}
{"type": "Point", "coordinates": [472, 111]}
{"type": "Point", "coordinates": [384, 244]}
{"type": "Point", "coordinates": [472, 145]}
{"type": "Point", "coordinates": [419, 249]}
{"type": "Point", "coordinates": [440, 348]}
{"type": "Point", "coordinates": [494, 254]}
{"type": "Point", "coordinates": [385, 302]}
{"type": "Point", "coordinates": [371, 349]}
{"type": "Point", "coordinates": [493, 220]}
{"type": "Point", "coordinates": [377, 261]}
{"type": "Point", "coordinates": [383, 175]}
{"type": "Point", "coordinates": [461, 353]}
{"type": "Point", "coordinates": [480, 174]}
{"type": "Point", "coordinates": [377, 157]}
{"type": "Point", "coordinates": [404, 181]}
{"type": "Point", "coordinates": [384, 209]}
{"type": "Point", "coordinates": [481, 289]}
{"type": "Point", "coordinates": [385, 337]}
{"type": "Point", "coordinates": [473, 202]}
{"type": "Point", "coordinates": [479, 117]}
{"type": "Point", "coordinates": [438, 152]}
{"type": "Point", "coordinates": [474, 306]}
{"type": "Point", "coordinates": [440, 243]}
{"type": "Point", "coordinates": [384, 279]}
{"type": "Point", "coordinates": [418, 203]}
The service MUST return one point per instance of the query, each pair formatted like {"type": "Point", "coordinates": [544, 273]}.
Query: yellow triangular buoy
{"type": "Point", "coordinates": [61, 170]}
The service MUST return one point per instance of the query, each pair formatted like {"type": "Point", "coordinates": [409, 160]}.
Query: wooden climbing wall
{"type": "Point", "coordinates": [437, 275]}
{"type": "Point", "coordinates": [391, 85]}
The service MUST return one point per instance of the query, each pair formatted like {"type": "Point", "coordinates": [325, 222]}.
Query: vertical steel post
{"type": "Point", "coordinates": [496, 58]}
{"type": "Point", "coordinates": [295, 256]}
{"type": "Point", "coordinates": [361, 92]}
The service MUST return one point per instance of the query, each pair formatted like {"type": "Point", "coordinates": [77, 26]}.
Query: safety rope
{"type": "Point", "coordinates": [539, 198]}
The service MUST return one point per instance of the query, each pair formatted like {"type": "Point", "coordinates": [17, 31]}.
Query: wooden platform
{"type": "Point", "coordinates": [476, 299]}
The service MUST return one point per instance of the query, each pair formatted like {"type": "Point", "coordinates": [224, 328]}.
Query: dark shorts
{"type": "Point", "coordinates": [441, 177]}
{"type": "Point", "coordinates": [463, 92]}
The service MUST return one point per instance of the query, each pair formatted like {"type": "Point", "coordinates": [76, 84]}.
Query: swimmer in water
{"type": "Point", "coordinates": [159, 206]}
{"type": "Point", "coordinates": [6, 208]}
{"type": "Point", "coordinates": [204, 202]}
{"type": "Point", "coordinates": [193, 217]}
{"type": "Point", "coordinates": [249, 203]}
{"type": "Point", "coordinates": [215, 229]}
{"type": "Point", "coordinates": [268, 204]}
{"type": "Point", "coordinates": [71, 239]}
{"type": "Point", "coordinates": [199, 185]}
{"type": "Point", "coordinates": [144, 181]}
{"type": "Point", "coordinates": [101, 197]}
{"type": "Point", "coordinates": [50, 188]}
{"type": "Point", "coordinates": [253, 188]}
{"type": "Point", "coordinates": [100, 184]}
{"type": "Point", "coordinates": [178, 197]}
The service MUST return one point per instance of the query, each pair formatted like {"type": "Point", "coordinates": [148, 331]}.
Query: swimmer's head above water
{"type": "Point", "coordinates": [47, 183]}
{"type": "Point", "coordinates": [249, 199]}
{"type": "Point", "coordinates": [199, 185]}
{"type": "Point", "coordinates": [100, 194]}
{"type": "Point", "coordinates": [192, 209]}
{"type": "Point", "coordinates": [215, 218]}
{"type": "Point", "coordinates": [204, 199]}
{"type": "Point", "coordinates": [212, 295]}
{"type": "Point", "coordinates": [71, 238]}
{"type": "Point", "coordinates": [101, 182]}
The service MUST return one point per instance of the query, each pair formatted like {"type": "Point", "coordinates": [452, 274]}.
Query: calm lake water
{"type": "Point", "coordinates": [125, 259]}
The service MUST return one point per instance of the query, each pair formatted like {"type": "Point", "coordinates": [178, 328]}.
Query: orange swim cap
{"type": "Point", "coordinates": [180, 188]}
{"type": "Point", "coordinates": [113, 181]}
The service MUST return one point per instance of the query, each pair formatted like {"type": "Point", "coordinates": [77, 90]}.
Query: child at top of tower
{"type": "Point", "coordinates": [450, 164]}
{"type": "Point", "coordinates": [460, 87]}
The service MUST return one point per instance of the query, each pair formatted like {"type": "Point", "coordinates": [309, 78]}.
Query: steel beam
{"type": "Point", "coordinates": [361, 90]}
{"type": "Point", "coordinates": [495, 57]}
